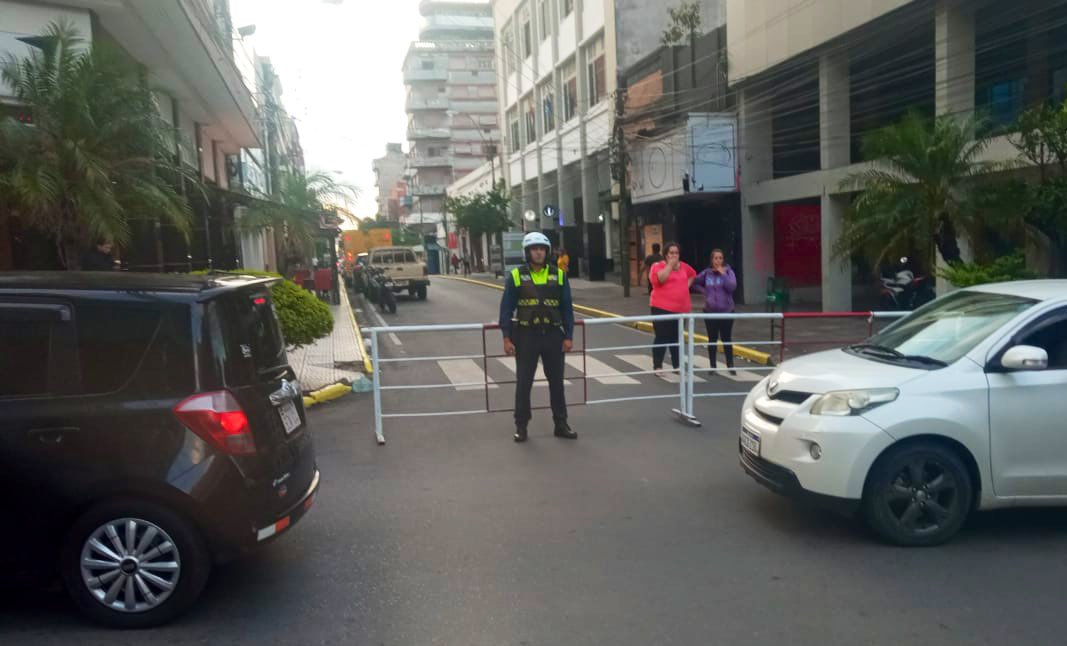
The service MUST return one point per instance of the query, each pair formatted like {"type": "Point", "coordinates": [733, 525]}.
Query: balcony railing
{"type": "Point", "coordinates": [418, 74]}
{"type": "Point", "coordinates": [427, 190]}
{"type": "Point", "coordinates": [415, 104]}
{"type": "Point", "coordinates": [431, 162]}
{"type": "Point", "coordinates": [429, 133]}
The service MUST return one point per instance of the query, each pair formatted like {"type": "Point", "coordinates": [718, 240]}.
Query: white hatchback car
{"type": "Point", "coordinates": [960, 405]}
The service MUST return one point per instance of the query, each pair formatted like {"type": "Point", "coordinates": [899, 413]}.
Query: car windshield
{"type": "Point", "coordinates": [946, 329]}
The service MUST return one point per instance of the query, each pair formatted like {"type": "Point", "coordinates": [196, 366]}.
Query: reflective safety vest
{"type": "Point", "coordinates": [540, 294]}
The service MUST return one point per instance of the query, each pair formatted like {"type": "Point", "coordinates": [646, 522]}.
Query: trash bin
{"type": "Point", "coordinates": [597, 268]}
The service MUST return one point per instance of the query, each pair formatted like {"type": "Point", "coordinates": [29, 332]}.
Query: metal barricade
{"type": "Point", "coordinates": [687, 369]}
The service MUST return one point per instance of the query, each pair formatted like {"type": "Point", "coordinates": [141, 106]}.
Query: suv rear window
{"type": "Point", "coordinates": [407, 257]}
{"type": "Point", "coordinates": [383, 258]}
{"type": "Point", "coordinates": [245, 338]}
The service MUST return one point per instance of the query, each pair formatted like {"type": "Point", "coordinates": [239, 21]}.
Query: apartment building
{"type": "Point", "coordinates": [388, 174]}
{"type": "Point", "coordinates": [813, 78]}
{"type": "Point", "coordinates": [186, 48]}
{"type": "Point", "coordinates": [557, 79]}
{"type": "Point", "coordinates": [453, 120]}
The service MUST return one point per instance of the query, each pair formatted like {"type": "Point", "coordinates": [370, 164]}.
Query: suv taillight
{"type": "Point", "coordinates": [217, 418]}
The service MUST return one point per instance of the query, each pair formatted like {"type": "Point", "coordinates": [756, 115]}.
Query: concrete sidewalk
{"type": "Point", "coordinates": [803, 335]}
{"type": "Point", "coordinates": [334, 358]}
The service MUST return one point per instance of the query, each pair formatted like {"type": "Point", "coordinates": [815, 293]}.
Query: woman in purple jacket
{"type": "Point", "coordinates": [717, 283]}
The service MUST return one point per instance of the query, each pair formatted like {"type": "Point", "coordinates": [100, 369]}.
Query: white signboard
{"type": "Point", "coordinates": [698, 157]}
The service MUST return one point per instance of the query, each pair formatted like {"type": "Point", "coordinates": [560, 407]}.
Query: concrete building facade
{"type": "Point", "coordinates": [453, 119]}
{"type": "Point", "coordinates": [186, 49]}
{"type": "Point", "coordinates": [388, 173]}
{"type": "Point", "coordinates": [812, 79]}
{"type": "Point", "coordinates": [557, 80]}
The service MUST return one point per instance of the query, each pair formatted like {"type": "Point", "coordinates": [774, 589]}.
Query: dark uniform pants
{"type": "Point", "coordinates": [546, 344]}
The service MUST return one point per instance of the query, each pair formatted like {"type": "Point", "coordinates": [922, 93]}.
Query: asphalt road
{"type": "Point", "coordinates": [643, 531]}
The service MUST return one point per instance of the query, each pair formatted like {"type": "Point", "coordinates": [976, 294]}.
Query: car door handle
{"type": "Point", "coordinates": [52, 436]}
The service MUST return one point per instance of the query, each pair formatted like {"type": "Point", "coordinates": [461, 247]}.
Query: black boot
{"type": "Point", "coordinates": [520, 432]}
{"type": "Point", "coordinates": [564, 430]}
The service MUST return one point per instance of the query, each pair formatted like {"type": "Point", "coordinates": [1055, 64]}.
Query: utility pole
{"type": "Point", "coordinates": [621, 175]}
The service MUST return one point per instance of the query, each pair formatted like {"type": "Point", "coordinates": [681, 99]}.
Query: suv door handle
{"type": "Point", "coordinates": [52, 436]}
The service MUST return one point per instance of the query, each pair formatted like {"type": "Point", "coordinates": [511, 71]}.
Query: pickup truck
{"type": "Point", "coordinates": [400, 264]}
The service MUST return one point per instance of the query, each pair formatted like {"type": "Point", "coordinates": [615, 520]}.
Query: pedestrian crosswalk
{"type": "Point", "coordinates": [611, 370]}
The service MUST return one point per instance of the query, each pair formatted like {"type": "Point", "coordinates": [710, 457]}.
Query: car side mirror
{"type": "Point", "coordinates": [1025, 357]}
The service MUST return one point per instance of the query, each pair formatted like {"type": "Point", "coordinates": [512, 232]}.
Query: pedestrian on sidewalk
{"type": "Point", "coordinates": [671, 279]}
{"type": "Point", "coordinates": [539, 295]}
{"type": "Point", "coordinates": [718, 283]}
{"type": "Point", "coordinates": [455, 264]}
{"type": "Point", "coordinates": [466, 265]}
{"type": "Point", "coordinates": [650, 260]}
{"type": "Point", "coordinates": [564, 262]}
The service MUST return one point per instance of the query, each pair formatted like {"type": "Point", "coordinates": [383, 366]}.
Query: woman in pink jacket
{"type": "Point", "coordinates": [670, 280]}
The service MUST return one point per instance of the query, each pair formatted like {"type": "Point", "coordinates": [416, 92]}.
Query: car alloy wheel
{"type": "Point", "coordinates": [130, 565]}
{"type": "Point", "coordinates": [918, 493]}
{"type": "Point", "coordinates": [923, 496]}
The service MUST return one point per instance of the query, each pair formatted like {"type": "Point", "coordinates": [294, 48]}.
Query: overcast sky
{"type": "Point", "coordinates": [340, 66]}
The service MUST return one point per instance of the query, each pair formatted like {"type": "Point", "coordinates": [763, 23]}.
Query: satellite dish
{"type": "Point", "coordinates": [530, 216]}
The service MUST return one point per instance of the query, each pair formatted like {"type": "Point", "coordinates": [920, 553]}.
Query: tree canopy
{"type": "Point", "coordinates": [97, 156]}
{"type": "Point", "coordinates": [482, 213]}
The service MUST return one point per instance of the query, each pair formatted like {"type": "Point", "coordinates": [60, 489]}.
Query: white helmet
{"type": "Point", "coordinates": [535, 238]}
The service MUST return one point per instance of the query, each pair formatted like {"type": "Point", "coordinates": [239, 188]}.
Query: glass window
{"type": "Point", "coordinates": [949, 327]}
{"type": "Point", "coordinates": [408, 256]}
{"type": "Point", "coordinates": [548, 115]}
{"type": "Point", "coordinates": [527, 40]}
{"type": "Point", "coordinates": [570, 91]}
{"type": "Point", "coordinates": [112, 341]}
{"type": "Point", "coordinates": [383, 258]}
{"type": "Point", "coordinates": [568, 7]}
{"type": "Point", "coordinates": [531, 119]}
{"type": "Point", "coordinates": [595, 73]}
{"type": "Point", "coordinates": [546, 19]}
{"type": "Point", "coordinates": [1052, 338]}
{"type": "Point", "coordinates": [257, 324]}
{"type": "Point", "coordinates": [26, 345]}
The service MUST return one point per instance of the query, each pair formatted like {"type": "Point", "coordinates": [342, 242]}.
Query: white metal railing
{"type": "Point", "coordinates": [687, 352]}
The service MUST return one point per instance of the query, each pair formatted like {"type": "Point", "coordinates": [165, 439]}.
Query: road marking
{"type": "Point", "coordinates": [509, 363]}
{"type": "Point", "coordinates": [465, 371]}
{"type": "Point", "coordinates": [381, 323]}
{"type": "Point", "coordinates": [742, 376]}
{"type": "Point", "coordinates": [644, 362]}
{"type": "Point", "coordinates": [598, 367]}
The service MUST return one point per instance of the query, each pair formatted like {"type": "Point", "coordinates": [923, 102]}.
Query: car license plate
{"type": "Point", "coordinates": [750, 442]}
{"type": "Point", "coordinates": [290, 417]}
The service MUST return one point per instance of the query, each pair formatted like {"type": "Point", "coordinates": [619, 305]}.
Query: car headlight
{"type": "Point", "coordinates": [843, 403]}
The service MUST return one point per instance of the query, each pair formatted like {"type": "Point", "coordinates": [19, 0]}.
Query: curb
{"type": "Point", "coordinates": [329, 393]}
{"type": "Point", "coordinates": [754, 356]}
{"type": "Point", "coordinates": [367, 367]}
{"type": "Point", "coordinates": [340, 389]}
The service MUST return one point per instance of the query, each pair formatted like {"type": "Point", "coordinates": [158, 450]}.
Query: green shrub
{"type": "Point", "coordinates": [1003, 269]}
{"type": "Point", "coordinates": [303, 317]}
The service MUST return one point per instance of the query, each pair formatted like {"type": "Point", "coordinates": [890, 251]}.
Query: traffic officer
{"type": "Point", "coordinates": [540, 297]}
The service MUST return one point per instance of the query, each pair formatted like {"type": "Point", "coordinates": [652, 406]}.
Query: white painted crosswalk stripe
{"type": "Point", "coordinates": [743, 376]}
{"type": "Point", "coordinates": [509, 363]}
{"type": "Point", "coordinates": [597, 367]}
{"type": "Point", "coordinates": [644, 362]}
{"type": "Point", "coordinates": [465, 371]}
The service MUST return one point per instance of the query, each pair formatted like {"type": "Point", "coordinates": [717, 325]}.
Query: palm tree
{"type": "Point", "coordinates": [296, 212]}
{"type": "Point", "coordinates": [915, 195]}
{"type": "Point", "coordinates": [97, 155]}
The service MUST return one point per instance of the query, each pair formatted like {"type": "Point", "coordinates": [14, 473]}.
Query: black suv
{"type": "Point", "coordinates": [150, 426]}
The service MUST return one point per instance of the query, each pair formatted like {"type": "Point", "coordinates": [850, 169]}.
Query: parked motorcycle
{"type": "Point", "coordinates": [380, 289]}
{"type": "Point", "coordinates": [905, 290]}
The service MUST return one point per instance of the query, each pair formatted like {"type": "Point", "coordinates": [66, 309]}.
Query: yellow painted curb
{"type": "Point", "coordinates": [329, 393]}
{"type": "Point", "coordinates": [367, 367]}
{"type": "Point", "coordinates": [754, 356]}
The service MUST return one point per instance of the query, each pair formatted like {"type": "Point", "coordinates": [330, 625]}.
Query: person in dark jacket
{"type": "Point", "coordinates": [99, 257]}
{"type": "Point", "coordinates": [539, 295]}
{"type": "Point", "coordinates": [718, 283]}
